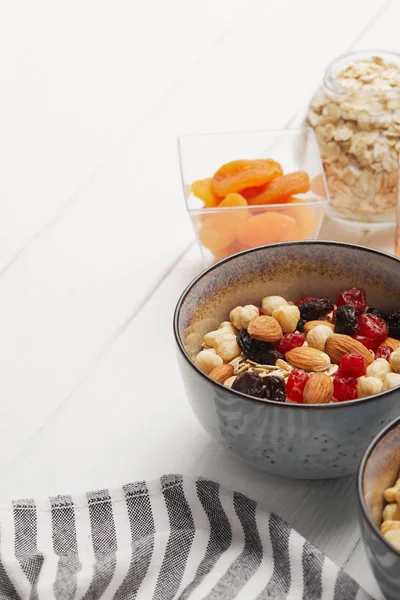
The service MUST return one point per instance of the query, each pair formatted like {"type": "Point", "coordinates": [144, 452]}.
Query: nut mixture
{"type": "Point", "coordinates": [390, 526]}
{"type": "Point", "coordinates": [311, 352]}
{"type": "Point", "coordinates": [358, 132]}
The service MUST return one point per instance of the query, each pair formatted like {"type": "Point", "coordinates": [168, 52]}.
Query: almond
{"type": "Point", "coordinates": [221, 373]}
{"type": "Point", "coordinates": [319, 389]}
{"type": "Point", "coordinates": [337, 345]}
{"type": "Point", "coordinates": [308, 359]}
{"type": "Point", "coordinates": [391, 342]}
{"type": "Point", "coordinates": [265, 329]}
{"type": "Point", "coordinates": [311, 324]}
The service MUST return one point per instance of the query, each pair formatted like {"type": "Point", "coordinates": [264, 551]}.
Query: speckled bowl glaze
{"type": "Point", "coordinates": [379, 470]}
{"type": "Point", "coordinates": [300, 441]}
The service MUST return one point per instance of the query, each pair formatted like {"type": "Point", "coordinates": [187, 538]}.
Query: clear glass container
{"type": "Point", "coordinates": [225, 231]}
{"type": "Point", "coordinates": [356, 118]}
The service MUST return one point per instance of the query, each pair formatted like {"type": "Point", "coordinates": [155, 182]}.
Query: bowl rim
{"type": "Point", "coordinates": [274, 403]}
{"type": "Point", "coordinates": [360, 476]}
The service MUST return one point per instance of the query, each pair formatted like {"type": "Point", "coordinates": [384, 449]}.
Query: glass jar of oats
{"type": "Point", "coordinates": [356, 118]}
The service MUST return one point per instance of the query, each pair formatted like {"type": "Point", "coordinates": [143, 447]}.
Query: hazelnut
{"type": "Point", "coordinates": [391, 380]}
{"type": "Point", "coordinates": [287, 316]}
{"type": "Point", "coordinates": [368, 386]}
{"type": "Point", "coordinates": [207, 360]}
{"type": "Point", "coordinates": [242, 315]}
{"type": "Point", "coordinates": [226, 346]}
{"type": "Point", "coordinates": [317, 336]}
{"type": "Point", "coordinates": [271, 303]}
{"type": "Point", "coordinates": [395, 361]}
{"type": "Point", "coordinates": [379, 368]}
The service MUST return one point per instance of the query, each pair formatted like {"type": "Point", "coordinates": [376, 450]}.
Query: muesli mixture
{"type": "Point", "coordinates": [390, 526]}
{"type": "Point", "coordinates": [358, 133]}
{"type": "Point", "coordinates": [311, 352]}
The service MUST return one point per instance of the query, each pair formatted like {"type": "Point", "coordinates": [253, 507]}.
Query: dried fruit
{"type": "Point", "coordinates": [219, 230]}
{"type": "Point", "coordinates": [265, 329]}
{"type": "Point", "coordinates": [275, 388]}
{"type": "Point", "coordinates": [300, 326]}
{"type": "Point", "coordinates": [318, 389]}
{"type": "Point", "coordinates": [290, 341]}
{"type": "Point", "coordinates": [372, 327]}
{"type": "Point", "coordinates": [353, 296]}
{"type": "Point", "coordinates": [308, 359]}
{"type": "Point", "coordinates": [391, 342]}
{"type": "Point", "coordinates": [281, 188]}
{"type": "Point", "coordinates": [366, 341]}
{"type": "Point", "coordinates": [222, 373]}
{"type": "Point", "coordinates": [266, 228]}
{"type": "Point", "coordinates": [384, 352]}
{"type": "Point", "coordinates": [378, 313]}
{"type": "Point", "coordinates": [394, 324]}
{"type": "Point", "coordinates": [344, 388]}
{"type": "Point", "coordinates": [295, 386]}
{"type": "Point", "coordinates": [306, 220]}
{"type": "Point", "coordinates": [352, 365]}
{"type": "Point", "coordinates": [250, 384]}
{"type": "Point", "coordinates": [300, 302]}
{"type": "Point", "coordinates": [263, 353]}
{"type": "Point", "coordinates": [202, 188]}
{"type": "Point", "coordinates": [337, 345]}
{"type": "Point", "coordinates": [240, 174]}
{"type": "Point", "coordinates": [346, 319]}
{"type": "Point", "coordinates": [310, 310]}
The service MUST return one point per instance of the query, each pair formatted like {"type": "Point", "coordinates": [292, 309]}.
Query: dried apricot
{"type": "Point", "coordinates": [266, 228]}
{"type": "Point", "coordinates": [202, 188]}
{"type": "Point", "coordinates": [318, 186]}
{"type": "Point", "coordinates": [306, 221]}
{"type": "Point", "coordinates": [225, 252]}
{"type": "Point", "coordinates": [220, 228]}
{"type": "Point", "coordinates": [280, 189]}
{"type": "Point", "coordinates": [237, 175]}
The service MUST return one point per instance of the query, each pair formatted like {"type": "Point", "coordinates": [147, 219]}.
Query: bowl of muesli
{"type": "Point", "coordinates": [290, 354]}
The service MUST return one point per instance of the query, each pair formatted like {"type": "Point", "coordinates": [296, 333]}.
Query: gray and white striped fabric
{"type": "Point", "coordinates": [174, 538]}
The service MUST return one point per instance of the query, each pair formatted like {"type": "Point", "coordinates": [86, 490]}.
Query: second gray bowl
{"type": "Point", "coordinates": [300, 441]}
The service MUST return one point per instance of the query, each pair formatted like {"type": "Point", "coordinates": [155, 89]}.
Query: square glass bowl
{"type": "Point", "coordinates": [225, 231]}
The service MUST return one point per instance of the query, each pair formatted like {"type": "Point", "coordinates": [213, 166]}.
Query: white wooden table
{"type": "Point", "coordinates": [95, 244]}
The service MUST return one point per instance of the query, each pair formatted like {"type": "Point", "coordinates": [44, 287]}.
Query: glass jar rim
{"type": "Point", "coordinates": [344, 60]}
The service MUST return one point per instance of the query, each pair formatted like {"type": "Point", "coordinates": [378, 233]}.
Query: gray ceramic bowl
{"type": "Point", "coordinates": [379, 470]}
{"type": "Point", "coordinates": [301, 441]}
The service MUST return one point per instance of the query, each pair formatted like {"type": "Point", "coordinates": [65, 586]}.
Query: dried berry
{"type": "Point", "coordinates": [311, 310]}
{"type": "Point", "coordinates": [295, 386]}
{"type": "Point", "coordinates": [355, 297]}
{"type": "Point", "coordinates": [275, 388]}
{"type": "Point", "coordinates": [263, 353]}
{"type": "Point", "coordinates": [344, 388]}
{"type": "Point", "coordinates": [346, 319]}
{"type": "Point", "coordinates": [289, 341]}
{"type": "Point", "coordinates": [372, 327]}
{"type": "Point", "coordinates": [352, 365]}
{"type": "Point", "coordinates": [305, 299]}
{"type": "Point", "coordinates": [250, 384]}
{"type": "Point", "coordinates": [384, 352]}
{"type": "Point", "coordinates": [300, 326]}
{"type": "Point", "coordinates": [394, 324]}
{"type": "Point", "coordinates": [378, 313]}
{"type": "Point", "coordinates": [366, 341]}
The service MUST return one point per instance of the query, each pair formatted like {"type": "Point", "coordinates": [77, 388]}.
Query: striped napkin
{"type": "Point", "coordinates": [174, 538]}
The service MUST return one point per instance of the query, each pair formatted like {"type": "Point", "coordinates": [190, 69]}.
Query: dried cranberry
{"type": "Point", "coordinates": [295, 385]}
{"type": "Point", "coordinates": [305, 299]}
{"type": "Point", "coordinates": [300, 326]}
{"type": "Point", "coordinates": [311, 310]}
{"type": "Point", "coordinates": [384, 352]}
{"type": "Point", "coordinates": [378, 313]}
{"type": "Point", "coordinates": [394, 324]}
{"type": "Point", "coordinates": [372, 327]}
{"type": "Point", "coordinates": [250, 384]}
{"type": "Point", "coordinates": [352, 365]}
{"type": "Point", "coordinates": [275, 388]}
{"type": "Point", "coordinates": [366, 341]}
{"type": "Point", "coordinates": [289, 341]}
{"type": "Point", "coordinates": [344, 388]}
{"type": "Point", "coordinates": [263, 353]}
{"type": "Point", "coordinates": [355, 297]}
{"type": "Point", "coordinates": [346, 319]}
